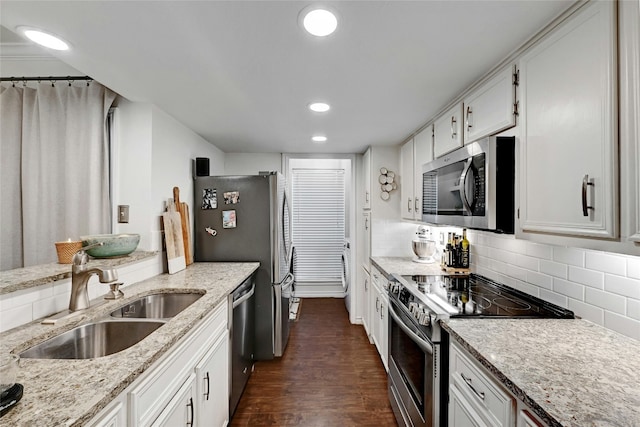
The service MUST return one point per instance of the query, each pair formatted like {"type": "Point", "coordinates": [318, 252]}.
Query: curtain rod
{"type": "Point", "coordinates": [46, 79]}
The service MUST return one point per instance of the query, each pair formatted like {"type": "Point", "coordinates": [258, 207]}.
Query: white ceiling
{"type": "Point", "coordinates": [241, 73]}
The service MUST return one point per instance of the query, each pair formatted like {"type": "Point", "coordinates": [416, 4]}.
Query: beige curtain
{"type": "Point", "coordinates": [55, 168]}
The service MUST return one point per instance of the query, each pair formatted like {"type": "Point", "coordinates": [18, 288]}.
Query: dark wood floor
{"type": "Point", "coordinates": [329, 376]}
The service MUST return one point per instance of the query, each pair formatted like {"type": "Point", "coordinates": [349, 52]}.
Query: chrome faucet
{"type": "Point", "coordinates": [80, 275]}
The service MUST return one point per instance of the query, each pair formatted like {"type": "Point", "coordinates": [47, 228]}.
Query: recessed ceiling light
{"type": "Point", "coordinates": [43, 38]}
{"type": "Point", "coordinates": [319, 138]}
{"type": "Point", "coordinates": [319, 107]}
{"type": "Point", "coordinates": [319, 22]}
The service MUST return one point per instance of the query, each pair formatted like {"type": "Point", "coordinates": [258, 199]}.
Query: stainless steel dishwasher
{"type": "Point", "coordinates": [242, 324]}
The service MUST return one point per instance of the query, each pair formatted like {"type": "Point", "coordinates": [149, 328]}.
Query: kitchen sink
{"type": "Point", "coordinates": [93, 340]}
{"type": "Point", "coordinates": [157, 306]}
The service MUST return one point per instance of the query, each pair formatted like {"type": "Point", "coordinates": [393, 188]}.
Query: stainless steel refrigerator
{"type": "Point", "coordinates": [247, 218]}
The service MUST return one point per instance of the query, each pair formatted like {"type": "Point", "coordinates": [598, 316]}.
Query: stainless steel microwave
{"type": "Point", "coordinates": [473, 186]}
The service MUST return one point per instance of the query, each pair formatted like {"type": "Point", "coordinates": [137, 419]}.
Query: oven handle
{"type": "Point", "coordinates": [424, 345]}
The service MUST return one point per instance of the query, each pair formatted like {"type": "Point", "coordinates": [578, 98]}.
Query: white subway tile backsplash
{"type": "Point", "coordinates": [569, 289]}
{"type": "Point", "coordinates": [16, 316]}
{"type": "Point", "coordinates": [622, 286]}
{"type": "Point", "coordinates": [26, 296]}
{"type": "Point", "coordinates": [516, 272]}
{"type": "Point", "coordinates": [528, 288]}
{"type": "Point", "coordinates": [622, 324]}
{"type": "Point", "coordinates": [555, 269]}
{"type": "Point", "coordinates": [588, 282]}
{"type": "Point", "coordinates": [540, 280]}
{"type": "Point", "coordinates": [587, 311]}
{"type": "Point", "coordinates": [594, 279]}
{"type": "Point", "coordinates": [539, 250]}
{"type": "Point", "coordinates": [633, 308]}
{"type": "Point", "coordinates": [528, 262]}
{"type": "Point", "coordinates": [605, 300]}
{"type": "Point", "coordinates": [49, 306]}
{"type": "Point", "coordinates": [608, 263]}
{"type": "Point", "coordinates": [554, 298]}
{"type": "Point", "coordinates": [569, 256]}
{"type": "Point", "coordinates": [633, 267]}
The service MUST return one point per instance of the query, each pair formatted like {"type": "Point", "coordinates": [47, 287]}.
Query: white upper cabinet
{"type": "Point", "coordinates": [407, 183]}
{"type": "Point", "coordinates": [447, 131]}
{"type": "Point", "coordinates": [630, 117]}
{"type": "Point", "coordinates": [568, 153]}
{"type": "Point", "coordinates": [489, 109]}
{"type": "Point", "coordinates": [366, 161]}
{"type": "Point", "coordinates": [413, 154]}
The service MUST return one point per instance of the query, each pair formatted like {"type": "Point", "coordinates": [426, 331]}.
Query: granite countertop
{"type": "Point", "coordinates": [29, 277]}
{"type": "Point", "coordinates": [570, 372]}
{"type": "Point", "coordinates": [71, 392]}
{"type": "Point", "coordinates": [404, 266]}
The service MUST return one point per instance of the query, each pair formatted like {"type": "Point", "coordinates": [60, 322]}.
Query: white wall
{"type": "Point", "coordinates": [251, 163]}
{"type": "Point", "coordinates": [155, 154]}
{"type": "Point", "coordinates": [174, 148]}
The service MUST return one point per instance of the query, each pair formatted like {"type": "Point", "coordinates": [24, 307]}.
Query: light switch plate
{"type": "Point", "coordinates": [123, 214]}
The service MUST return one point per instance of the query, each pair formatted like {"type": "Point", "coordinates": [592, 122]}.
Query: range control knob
{"type": "Point", "coordinates": [394, 287]}
{"type": "Point", "coordinates": [424, 319]}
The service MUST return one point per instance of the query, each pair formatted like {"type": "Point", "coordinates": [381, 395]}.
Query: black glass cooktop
{"type": "Point", "coordinates": [473, 295]}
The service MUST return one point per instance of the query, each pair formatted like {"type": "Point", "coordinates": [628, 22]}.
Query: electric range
{"type": "Point", "coordinates": [418, 349]}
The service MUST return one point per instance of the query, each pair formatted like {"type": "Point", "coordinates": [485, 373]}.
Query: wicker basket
{"type": "Point", "coordinates": [66, 250]}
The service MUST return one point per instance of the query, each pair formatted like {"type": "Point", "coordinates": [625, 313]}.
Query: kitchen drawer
{"type": "Point", "coordinates": [377, 277]}
{"type": "Point", "coordinates": [158, 387]}
{"type": "Point", "coordinates": [494, 404]}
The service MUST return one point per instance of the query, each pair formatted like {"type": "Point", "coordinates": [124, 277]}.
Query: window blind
{"type": "Point", "coordinates": [318, 226]}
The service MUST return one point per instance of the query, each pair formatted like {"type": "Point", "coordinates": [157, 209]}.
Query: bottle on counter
{"type": "Point", "coordinates": [464, 250]}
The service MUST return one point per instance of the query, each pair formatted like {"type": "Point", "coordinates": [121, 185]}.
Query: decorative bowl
{"type": "Point", "coordinates": [113, 244]}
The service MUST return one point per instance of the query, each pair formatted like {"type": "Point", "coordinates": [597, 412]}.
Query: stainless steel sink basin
{"type": "Point", "coordinates": [92, 340]}
{"type": "Point", "coordinates": [157, 306]}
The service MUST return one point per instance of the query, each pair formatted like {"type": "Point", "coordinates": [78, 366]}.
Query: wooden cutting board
{"type": "Point", "coordinates": [183, 208]}
{"type": "Point", "coordinates": [172, 223]}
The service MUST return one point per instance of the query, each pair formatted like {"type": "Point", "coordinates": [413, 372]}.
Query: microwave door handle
{"type": "Point", "coordinates": [463, 186]}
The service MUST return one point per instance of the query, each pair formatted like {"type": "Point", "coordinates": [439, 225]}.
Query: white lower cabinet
{"type": "Point", "coordinates": [461, 412]}
{"type": "Point", "coordinates": [212, 407]}
{"type": "Point", "coordinates": [477, 399]}
{"type": "Point", "coordinates": [477, 393]}
{"type": "Point", "coordinates": [380, 304]}
{"type": "Point", "coordinates": [114, 415]}
{"type": "Point", "coordinates": [180, 411]}
{"type": "Point", "coordinates": [187, 386]}
{"type": "Point", "coordinates": [366, 312]}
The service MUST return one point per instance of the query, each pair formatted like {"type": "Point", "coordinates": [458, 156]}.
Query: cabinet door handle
{"type": "Point", "coordinates": [366, 223]}
{"type": "Point", "coordinates": [409, 204]}
{"type": "Point", "coordinates": [468, 381]}
{"type": "Point", "coordinates": [416, 204]}
{"type": "Point", "coordinates": [381, 312]}
{"type": "Point", "coordinates": [366, 196]}
{"type": "Point", "coordinates": [585, 185]}
{"type": "Point", "coordinates": [206, 395]}
{"type": "Point", "coordinates": [453, 127]}
{"type": "Point", "coordinates": [366, 284]}
{"type": "Point", "coordinates": [468, 118]}
{"type": "Point", "coordinates": [190, 406]}
{"type": "Point", "coordinates": [377, 301]}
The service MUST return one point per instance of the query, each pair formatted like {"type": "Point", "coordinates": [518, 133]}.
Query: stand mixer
{"type": "Point", "coordinates": [423, 246]}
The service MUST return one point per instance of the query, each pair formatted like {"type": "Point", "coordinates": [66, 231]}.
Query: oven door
{"type": "Point", "coordinates": [414, 382]}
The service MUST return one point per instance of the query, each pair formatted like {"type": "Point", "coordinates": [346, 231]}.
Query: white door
{"type": "Point", "coordinates": [212, 385]}
{"type": "Point", "coordinates": [423, 153]}
{"type": "Point", "coordinates": [490, 108]}
{"type": "Point", "coordinates": [407, 177]}
{"type": "Point", "coordinates": [447, 131]}
{"type": "Point", "coordinates": [569, 142]}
